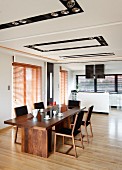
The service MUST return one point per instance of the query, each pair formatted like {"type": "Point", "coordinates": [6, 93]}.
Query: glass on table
{"type": "Point", "coordinates": [41, 110]}
{"type": "Point", "coordinates": [34, 112]}
{"type": "Point", "coordinates": [54, 112]}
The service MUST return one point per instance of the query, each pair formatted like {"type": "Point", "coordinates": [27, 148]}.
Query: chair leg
{"type": "Point", "coordinates": [91, 130]}
{"type": "Point", "coordinates": [63, 140]}
{"type": "Point", "coordinates": [81, 139]}
{"type": "Point", "coordinates": [86, 134]}
{"type": "Point", "coordinates": [73, 140]}
{"type": "Point", "coordinates": [15, 140]}
{"type": "Point", "coordinates": [55, 143]}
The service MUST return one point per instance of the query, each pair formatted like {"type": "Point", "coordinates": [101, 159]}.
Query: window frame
{"type": "Point", "coordinates": [116, 87]}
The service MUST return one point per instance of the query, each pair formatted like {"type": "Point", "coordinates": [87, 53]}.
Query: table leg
{"type": "Point", "coordinates": [35, 141]}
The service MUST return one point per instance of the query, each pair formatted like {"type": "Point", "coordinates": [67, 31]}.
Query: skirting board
{"type": "Point", "coordinates": [3, 129]}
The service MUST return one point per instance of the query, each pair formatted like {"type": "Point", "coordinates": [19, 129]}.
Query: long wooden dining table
{"type": "Point", "coordinates": [36, 134]}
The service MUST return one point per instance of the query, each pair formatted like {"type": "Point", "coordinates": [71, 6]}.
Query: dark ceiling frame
{"type": "Point", "coordinates": [75, 9]}
{"type": "Point", "coordinates": [100, 40]}
{"type": "Point", "coordinates": [87, 55]}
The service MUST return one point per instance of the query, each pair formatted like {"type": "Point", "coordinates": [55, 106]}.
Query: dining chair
{"type": "Point", "coordinates": [39, 105]}
{"type": "Point", "coordinates": [87, 122]}
{"type": "Point", "coordinates": [19, 111]}
{"type": "Point", "coordinates": [71, 133]}
{"type": "Point", "coordinates": [73, 103]}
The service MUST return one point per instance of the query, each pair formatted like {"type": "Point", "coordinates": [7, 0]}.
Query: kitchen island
{"type": "Point", "coordinates": [99, 100]}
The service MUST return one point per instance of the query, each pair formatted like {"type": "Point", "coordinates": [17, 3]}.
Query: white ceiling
{"type": "Point", "coordinates": [100, 18]}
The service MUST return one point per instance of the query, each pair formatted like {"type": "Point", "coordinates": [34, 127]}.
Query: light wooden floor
{"type": "Point", "coordinates": [104, 152]}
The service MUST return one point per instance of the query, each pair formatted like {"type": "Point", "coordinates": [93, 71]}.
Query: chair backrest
{"type": "Point", "coordinates": [78, 120]}
{"type": "Point", "coordinates": [73, 103]}
{"type": "Point", "coordinates": [39, 105]}
{"type": "Point", "coordinates": [88, 117]}
{"type": "Point", "coordinates": [20, 111]}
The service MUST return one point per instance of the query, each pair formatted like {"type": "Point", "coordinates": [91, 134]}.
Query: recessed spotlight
{"type": "Point", "coordinates": [70, 3]}
{"type": "Point", "coordinates": [54, 14]}
{"type": "Point", "coordinates": [22, 21]}
{"type": "Point", "coordinates": [75, 9]}
{"type": "Point", "coordinates": [65, 12]}
{"type": "Point", "coordinates": [15, 23]}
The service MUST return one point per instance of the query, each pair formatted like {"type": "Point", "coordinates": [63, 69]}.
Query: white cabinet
{"type": "Point", "coordinates": [115, 100]}
{"type": "Point", "coordinates": [99, 100]}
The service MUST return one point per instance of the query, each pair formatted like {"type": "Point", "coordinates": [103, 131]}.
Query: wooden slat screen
{"type": "Point", "coordinates": [27, 85]}
{"type": "Point", "coordinates": [18, 86]}
{"type": "Point", "coordinates": [63, 87]}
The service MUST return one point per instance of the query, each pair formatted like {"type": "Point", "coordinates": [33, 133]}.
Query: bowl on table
{"type": "Point", "coordinates": [47, 117]}
{"type": "Point", "coordinates": [60, 114]}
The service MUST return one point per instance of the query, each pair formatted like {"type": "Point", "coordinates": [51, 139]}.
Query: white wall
{"type": "Point", "coordinates": [6, 80]}
{"type": "Point", "coordinates": [113, 67]}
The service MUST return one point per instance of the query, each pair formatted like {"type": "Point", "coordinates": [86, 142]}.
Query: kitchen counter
{"type": "Point", "coordinates": [99, 100]}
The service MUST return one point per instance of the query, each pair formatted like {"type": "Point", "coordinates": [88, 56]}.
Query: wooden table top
{"type": "Point", "coordinates": [30, 121]}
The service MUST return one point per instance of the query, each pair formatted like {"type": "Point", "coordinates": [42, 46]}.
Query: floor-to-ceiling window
{"type": "Point", "coordinates": [26, 85]}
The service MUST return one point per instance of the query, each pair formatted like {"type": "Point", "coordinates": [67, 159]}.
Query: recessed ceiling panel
{"type": "Point", "coordinates": [69, 44]}
{"type": "Point", "coordinates": [87, 55]}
